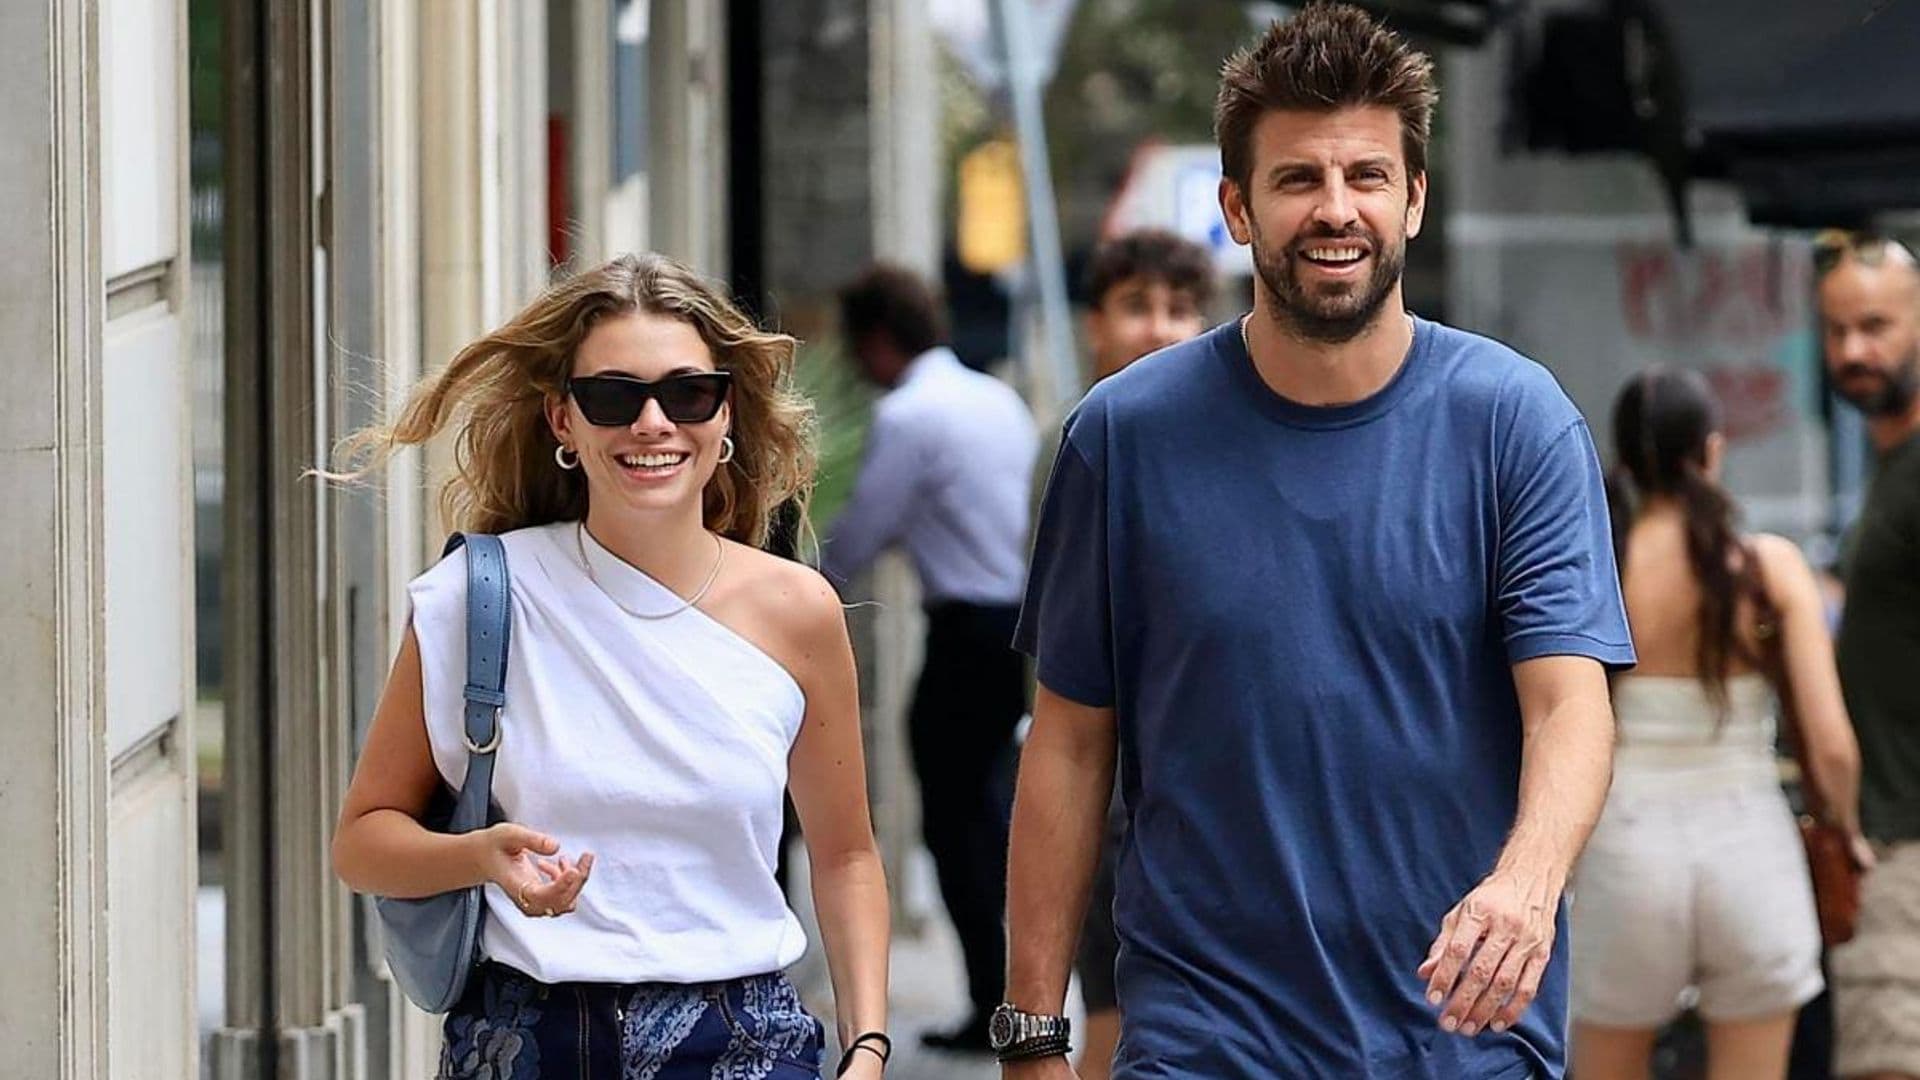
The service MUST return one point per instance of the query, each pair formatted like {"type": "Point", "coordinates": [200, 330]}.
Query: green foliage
{"type": "Point", "coordinates": [844, 405]}
{"type": "Point", "coordinates": [1131, 71]}
{"type": "Point", "coordinates": [206, 78]}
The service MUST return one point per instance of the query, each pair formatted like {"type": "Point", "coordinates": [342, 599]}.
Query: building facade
{"type": "Point", "coordinates": [392, 180]}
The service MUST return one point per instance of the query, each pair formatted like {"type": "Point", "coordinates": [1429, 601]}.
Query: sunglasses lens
{"type": "Point", "coordinates": [609, 402]}
{"type": "Point", "coordinates": [692, 399]}
{"type": "Point", "coordinates": [617, 402]}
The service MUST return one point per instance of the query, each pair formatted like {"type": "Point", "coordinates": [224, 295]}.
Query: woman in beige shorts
{"type": "Point", "coordinates": [1694, 884]}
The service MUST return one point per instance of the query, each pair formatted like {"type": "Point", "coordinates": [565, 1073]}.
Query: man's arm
{"type": "Point", "coordinates": [883, 498]}
{"type": "Point", "coordinates": [1059, 809]}
{"type": "Point", "coordinates": [1566, 763]}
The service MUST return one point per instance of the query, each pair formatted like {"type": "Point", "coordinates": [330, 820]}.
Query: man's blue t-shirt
{"type": "Point", "coordinates": [1305, 619]}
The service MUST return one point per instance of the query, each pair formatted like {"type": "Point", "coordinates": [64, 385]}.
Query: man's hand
{"type": "Point", "coordinates": [1046, 1068]}
{"type": "Point", "coordinates": [1484, 969]}
{"type": "Point", "coordinates": [1492, 949]}
{"type": "Point", "coordinates": [1862, 851]}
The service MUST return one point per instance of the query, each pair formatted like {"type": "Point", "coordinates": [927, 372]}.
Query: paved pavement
{"type": "Point", "coordinates": [928, 981]}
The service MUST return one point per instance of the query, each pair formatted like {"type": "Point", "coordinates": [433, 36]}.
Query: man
{"type": "Point", "coordinates": [1870, 327]}
{"type": "Point", "coordinates": [1147, 289]}
{"type": "Point", "coordinates": [946, 474]}
{"type": "Point", "coordinates": [1346, 605]}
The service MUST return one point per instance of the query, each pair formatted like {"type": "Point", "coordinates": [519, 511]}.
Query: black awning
{"type": "Point", "coordinates": [1811, 107]}
{"type": "Point", "coordinates": [1785, 74]}
{"type": "Point", "coordinates": [1456, 22]}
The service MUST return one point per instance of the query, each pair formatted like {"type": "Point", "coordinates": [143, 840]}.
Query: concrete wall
{"type": "Point", "coordinates": [95, 764]}
{"type": "Point", "coordinates": [146, 482]}
{"type": "Point", "coordinates": [371, 260]}
{"type": "Point", "coordinates": [817, 185]}
{"type": "Point", "coordinates": [52, 750]}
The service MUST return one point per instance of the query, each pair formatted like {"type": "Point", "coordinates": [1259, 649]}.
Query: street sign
{"type": "Point", "coordinates": [1178, 188]}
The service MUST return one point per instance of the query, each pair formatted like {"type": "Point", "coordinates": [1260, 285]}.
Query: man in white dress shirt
{"type": "Point", "coordinates": [946, 475]}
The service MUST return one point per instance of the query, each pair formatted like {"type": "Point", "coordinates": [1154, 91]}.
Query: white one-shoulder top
{"type": "Point", "coordinates": [659, 746]}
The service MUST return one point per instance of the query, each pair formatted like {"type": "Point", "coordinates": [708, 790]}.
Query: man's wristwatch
{"type": "Point", "coordinates": [1016, 1035]}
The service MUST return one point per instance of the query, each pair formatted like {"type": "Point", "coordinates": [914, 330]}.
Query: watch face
{"type": "Point", "coordinates": [1000, 1028]}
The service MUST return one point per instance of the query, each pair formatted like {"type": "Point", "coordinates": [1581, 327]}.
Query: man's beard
{"type": "Point", "coordinates": [1893, 396]}
{"type": "Point", "coordinates": [1328, 317]}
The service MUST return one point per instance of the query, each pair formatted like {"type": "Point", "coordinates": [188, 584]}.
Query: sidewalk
{"type": "Point", "coordinates": [928, 983]}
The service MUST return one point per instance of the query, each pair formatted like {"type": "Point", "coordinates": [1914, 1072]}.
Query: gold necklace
{"type": "Point", "coordinates": [720, 556]}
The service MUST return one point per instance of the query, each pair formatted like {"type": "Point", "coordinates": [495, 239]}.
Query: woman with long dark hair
{"type": "Point", "coordinates": [1695, 882]}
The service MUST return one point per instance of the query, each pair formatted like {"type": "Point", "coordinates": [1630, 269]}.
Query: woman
{"type": "Point", "coordinates": [1695, 878]}
{"type": "Point", "coordinates": [629, 435]}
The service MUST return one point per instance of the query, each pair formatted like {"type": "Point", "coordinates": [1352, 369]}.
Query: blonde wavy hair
{"type": "Point", "coordinates": [493, 396]}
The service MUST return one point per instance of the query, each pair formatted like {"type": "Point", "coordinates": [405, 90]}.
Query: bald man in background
{"type": "Point", "coordinates": [1870, 332]}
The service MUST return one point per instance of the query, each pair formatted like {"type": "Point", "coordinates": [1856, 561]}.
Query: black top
{"type": "Point", "coordinates": [1879, 646]}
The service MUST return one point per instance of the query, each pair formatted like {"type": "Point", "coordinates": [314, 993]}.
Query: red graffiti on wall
{"type": "Point", "coordinates": [1723, 297]}
{"type": "Point", "coordinates": [1753, 399]}
{"type": "Point", "coordinates": [1724, 312]}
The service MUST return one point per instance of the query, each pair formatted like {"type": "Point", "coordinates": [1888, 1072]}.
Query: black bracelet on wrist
{"type": "Point", "coordinates": [865, 1041]}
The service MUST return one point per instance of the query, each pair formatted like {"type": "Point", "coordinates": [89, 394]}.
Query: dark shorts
{"type": "Point", "coordinates": [509, 1026]}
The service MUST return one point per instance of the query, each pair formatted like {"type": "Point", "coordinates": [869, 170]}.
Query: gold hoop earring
{"type": "Point", "coordinates": [560, 457]}
{"type": "Point", "coordinates": [726, 449]}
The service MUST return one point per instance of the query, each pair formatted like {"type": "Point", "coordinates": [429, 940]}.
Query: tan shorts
{"type": "Point", "coordinates": [1693, 892]}
{"type": "Point", "coordinates": [1876, 976]}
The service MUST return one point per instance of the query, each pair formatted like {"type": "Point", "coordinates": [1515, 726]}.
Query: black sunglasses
{"type": "Point", "coordinates": [618, 400]}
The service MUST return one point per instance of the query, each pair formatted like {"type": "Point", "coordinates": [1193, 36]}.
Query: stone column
{"type": "Point", "coordinates": [53, 769]}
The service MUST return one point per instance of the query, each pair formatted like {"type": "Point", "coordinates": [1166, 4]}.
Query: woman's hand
{"type": "Point", "coordinates": [528, 867]}
{"type": "Point", "coordinates": [1862, 852]}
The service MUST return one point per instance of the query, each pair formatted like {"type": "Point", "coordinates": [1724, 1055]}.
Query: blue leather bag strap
{"type": "Point", "coordinates": [489, 623]}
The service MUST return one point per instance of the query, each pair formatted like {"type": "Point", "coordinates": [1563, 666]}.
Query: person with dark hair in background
{"type": "Point", "coordinates": [946, 475]}
{"type": "Point", "coordinates": [1870, 328]}
{"type": "Point", "coordinates": [1146, 289]}
{"type": "Point", "coordinates": [1334, 585]}
{"type": "Point", "coordinates": [1696, 876]}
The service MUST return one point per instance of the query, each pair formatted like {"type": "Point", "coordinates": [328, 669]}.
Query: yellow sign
{"type": "Point", "coordinates": [993, 208]}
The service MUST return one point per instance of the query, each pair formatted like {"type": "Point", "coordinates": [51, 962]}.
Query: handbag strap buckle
{"type": "Point", "coordinates": [491, 744]}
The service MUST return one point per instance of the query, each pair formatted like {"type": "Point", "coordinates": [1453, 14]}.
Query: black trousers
{"type": "Point", "coordinates": [970, 697]}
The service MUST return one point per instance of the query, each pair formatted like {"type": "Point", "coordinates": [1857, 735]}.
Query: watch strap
{"type": "Point", "coordinates": [1033, 1036]}
{"type": "Point", "coordinates": [1043, 1046]}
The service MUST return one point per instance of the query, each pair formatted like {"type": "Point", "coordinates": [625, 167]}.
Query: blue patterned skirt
{"type": "Point", "coordinates": [510, 1026]}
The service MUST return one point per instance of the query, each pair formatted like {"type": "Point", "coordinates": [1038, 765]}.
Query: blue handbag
{"type": "Point", "coordinates": [432, 943]}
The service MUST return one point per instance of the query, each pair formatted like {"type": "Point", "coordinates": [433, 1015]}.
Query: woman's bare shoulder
{"type": "Point", "coordinates": [1773, 549]}
{"type": "Point", "coordinates": [1783, 566]}
{"type": "Point", "coordinates": [795, 611]}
